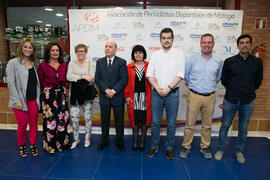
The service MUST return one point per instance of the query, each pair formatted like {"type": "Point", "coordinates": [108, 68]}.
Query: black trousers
{"type": "Point", "coordinates": [118, 112]}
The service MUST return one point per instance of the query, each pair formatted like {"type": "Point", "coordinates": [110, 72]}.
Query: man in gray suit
{"type": "Point", "coordinates": [111, 77]}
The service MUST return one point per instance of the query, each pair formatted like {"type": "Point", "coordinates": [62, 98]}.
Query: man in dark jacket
{"type": "Point", "coordinates": [111, 77]}
{"type": "Point", "coordinates": [241, 76]}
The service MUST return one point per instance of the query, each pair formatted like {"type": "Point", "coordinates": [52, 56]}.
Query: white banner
{"type": "Point", "coordinates": [129, 27]}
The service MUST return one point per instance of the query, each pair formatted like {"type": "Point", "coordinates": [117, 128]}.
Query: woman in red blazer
{"type": "Point", "coordinates": [138, 96]}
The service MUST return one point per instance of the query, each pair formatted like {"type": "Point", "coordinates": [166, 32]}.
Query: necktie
{"type": "Point", "coordinates": [110, 63]}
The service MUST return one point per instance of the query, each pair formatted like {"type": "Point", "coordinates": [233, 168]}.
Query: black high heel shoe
{"type": "Point", "coordinates": [34, 150]}
{"type": "Point", "coordinates": [22, 151]}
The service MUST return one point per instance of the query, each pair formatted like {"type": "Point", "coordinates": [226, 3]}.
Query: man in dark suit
{"type": "Point", "coordinates": [111, 77]}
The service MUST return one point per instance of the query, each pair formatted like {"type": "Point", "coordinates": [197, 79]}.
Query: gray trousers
{"type": "Point", "coordinates": [75, 112]}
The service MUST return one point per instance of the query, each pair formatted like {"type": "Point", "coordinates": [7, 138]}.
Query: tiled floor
{"type": "Point", "coordinates": [110, 164]}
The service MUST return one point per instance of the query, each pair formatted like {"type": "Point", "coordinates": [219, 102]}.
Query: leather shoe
{"type": "Point", "coordinates": [121, 147]}
{"type": "Point", "coordinates": [101, 146]}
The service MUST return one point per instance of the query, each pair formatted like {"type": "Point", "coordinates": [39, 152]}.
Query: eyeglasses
{"type": "Point", "coordinates": [81, 51]}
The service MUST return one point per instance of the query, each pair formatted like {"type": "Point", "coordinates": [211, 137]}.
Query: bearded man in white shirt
{"type": "Point", "coordinates": [165, 71]}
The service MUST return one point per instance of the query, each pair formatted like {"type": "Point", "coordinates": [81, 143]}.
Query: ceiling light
{"type": "Point", "coordinates": [59, 14]}
{"type": "Point", "coordinates": [66, 19]}
{"type": "Point", "coordinates": [39, 21]}
{"type": "Point", "coordinates": [49, 25]}
{"type": "Point", "coordinates": [118, 8]}
{"type": "Point", "coordinates": [48, 9]}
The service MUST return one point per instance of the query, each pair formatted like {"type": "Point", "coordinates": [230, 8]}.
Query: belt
{"type": "Point", "coordinates": [202, 94]}
{"type": "Point", "coordinates": [173, 90]}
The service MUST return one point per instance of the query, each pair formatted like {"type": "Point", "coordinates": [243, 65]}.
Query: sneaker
{"type": "Point", "coordinates": [206, 153]}
{"type": "Point", "coordinates": [170, 154]}
{"type": "Point", "coordinates": [218, 155]}
{"type": "Point", "coordinates": [240, 157]}
{"type": "Point", "coordinates": [74, 144]}
{"type": "Point", "coordinates": [151, 152]}
{"type": "Point", "coordinates": [184, 153]}
{"type": "Point", "coordinates": [87, 142]}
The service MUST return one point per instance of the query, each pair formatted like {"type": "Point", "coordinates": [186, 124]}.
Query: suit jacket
{"type": "Point", "coordinates": [115, 79]}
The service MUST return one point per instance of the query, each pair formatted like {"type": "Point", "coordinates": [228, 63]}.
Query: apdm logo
{"type": "Point", "coordinates": [91, 17]}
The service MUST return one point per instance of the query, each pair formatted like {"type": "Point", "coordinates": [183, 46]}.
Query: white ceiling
{"type": "Point", "coordinates": [23, 16]}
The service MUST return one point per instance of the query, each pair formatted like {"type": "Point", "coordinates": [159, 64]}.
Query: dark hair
{"type": "Point", "coordinates": [166, 30]}
{"type": "Point", "coordinates": [208, 35]}
{"type": "Point", "coordinates": [136, 49]}
{"type": "Point", "coordinates": [48, 49]}
{"type": "Point", "coordinates": [243, 36]}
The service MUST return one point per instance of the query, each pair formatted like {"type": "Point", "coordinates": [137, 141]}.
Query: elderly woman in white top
{"type": "Point", "coordinates": [24, 89]}
{"type": "Point", "coordinates": [80, 71]}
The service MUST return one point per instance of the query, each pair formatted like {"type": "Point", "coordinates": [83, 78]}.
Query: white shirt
{"type": "Point", "coordinates": [110, 59]}
{"type": "Point", "coordinates": [165, 66]}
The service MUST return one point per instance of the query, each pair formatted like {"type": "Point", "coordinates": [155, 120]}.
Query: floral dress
{"type": "Point", "coordinates": [56, 126]}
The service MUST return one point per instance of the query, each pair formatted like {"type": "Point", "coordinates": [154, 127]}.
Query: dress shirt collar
{"type": "Point", "coordinates": [110, 59]}
{"type": "Point", "coordinates": [210, 56]}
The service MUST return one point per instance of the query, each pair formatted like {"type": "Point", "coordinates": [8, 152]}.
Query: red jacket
{"type": "Point", "coordinates": [129, 92]}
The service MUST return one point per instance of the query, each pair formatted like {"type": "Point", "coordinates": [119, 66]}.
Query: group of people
{"type": "Point", "coordinates": [145, 87]}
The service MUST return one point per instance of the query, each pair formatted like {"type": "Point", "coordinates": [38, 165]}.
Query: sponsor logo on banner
{"type": "Point", "coordinates": [95, 58]}
{"type": "Point", "coordinates": [152, 48]}
{"type": "Point", "coordinates": [227, 50]}
{"type": "Point", "coordinates": [119, 25]}
{"type": "Point", "coordinates": [178, 37]}
{"type": "Point", "coordinates": [213, 26]}
{"type": "Point", "coordinates": [103, 37]}
{"type": "Point", "coordinates": [92, 17]}
{"type": "Point", "coordinates": [139, 37]}
{"type": "Point", "coordinates": [138, 25]}
{"type": "Point", "coordinates": [154, 36]}
{"type": "Point", "coordinates": [230, 26]}
{"type": "Point", "coordinates": [178, 24]}
{"type": "Point", "coordinates": [217, 38]}
{"type": "Point", "coordinates": [231, 39]}
{"type": "Point", "coordinates": [121, 49]}
{"type": "Point", "coordinates": [119, 36]}
{"type": "Point", "coordinates": [158, 25]}
{"type": "Point", "coordinates": [195, 37]}
{"type": "Point", "coordinates": [197, 26]}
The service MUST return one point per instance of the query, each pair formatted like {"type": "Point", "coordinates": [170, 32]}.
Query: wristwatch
{"type": "Point", "coordinates": [170, 87]}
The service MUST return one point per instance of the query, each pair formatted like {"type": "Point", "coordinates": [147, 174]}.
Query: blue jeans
{"type": "Point", "coordinates": [229, 110]}
{"type": "Point", "coordinates": [170, 102]}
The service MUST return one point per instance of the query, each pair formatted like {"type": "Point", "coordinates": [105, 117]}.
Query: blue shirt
{"type": "Point", "coordinates": [201, 74]}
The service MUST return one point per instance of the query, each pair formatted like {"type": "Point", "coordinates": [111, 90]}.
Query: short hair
{"type": "Point", "coordinates": [48, 49]}
{"type": "Point", "coordinates": [33, 56]}
{"type": "Point", "coordinates": [166, 30]}
{"type": "Point", "coordinates": [243, 36]}
{"type": "Point", "coordinates": [137, 48]}
{"type": "Point", "coordinates": [208, 35]}
{"type": "Point", "coordinates": [79, 46]}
